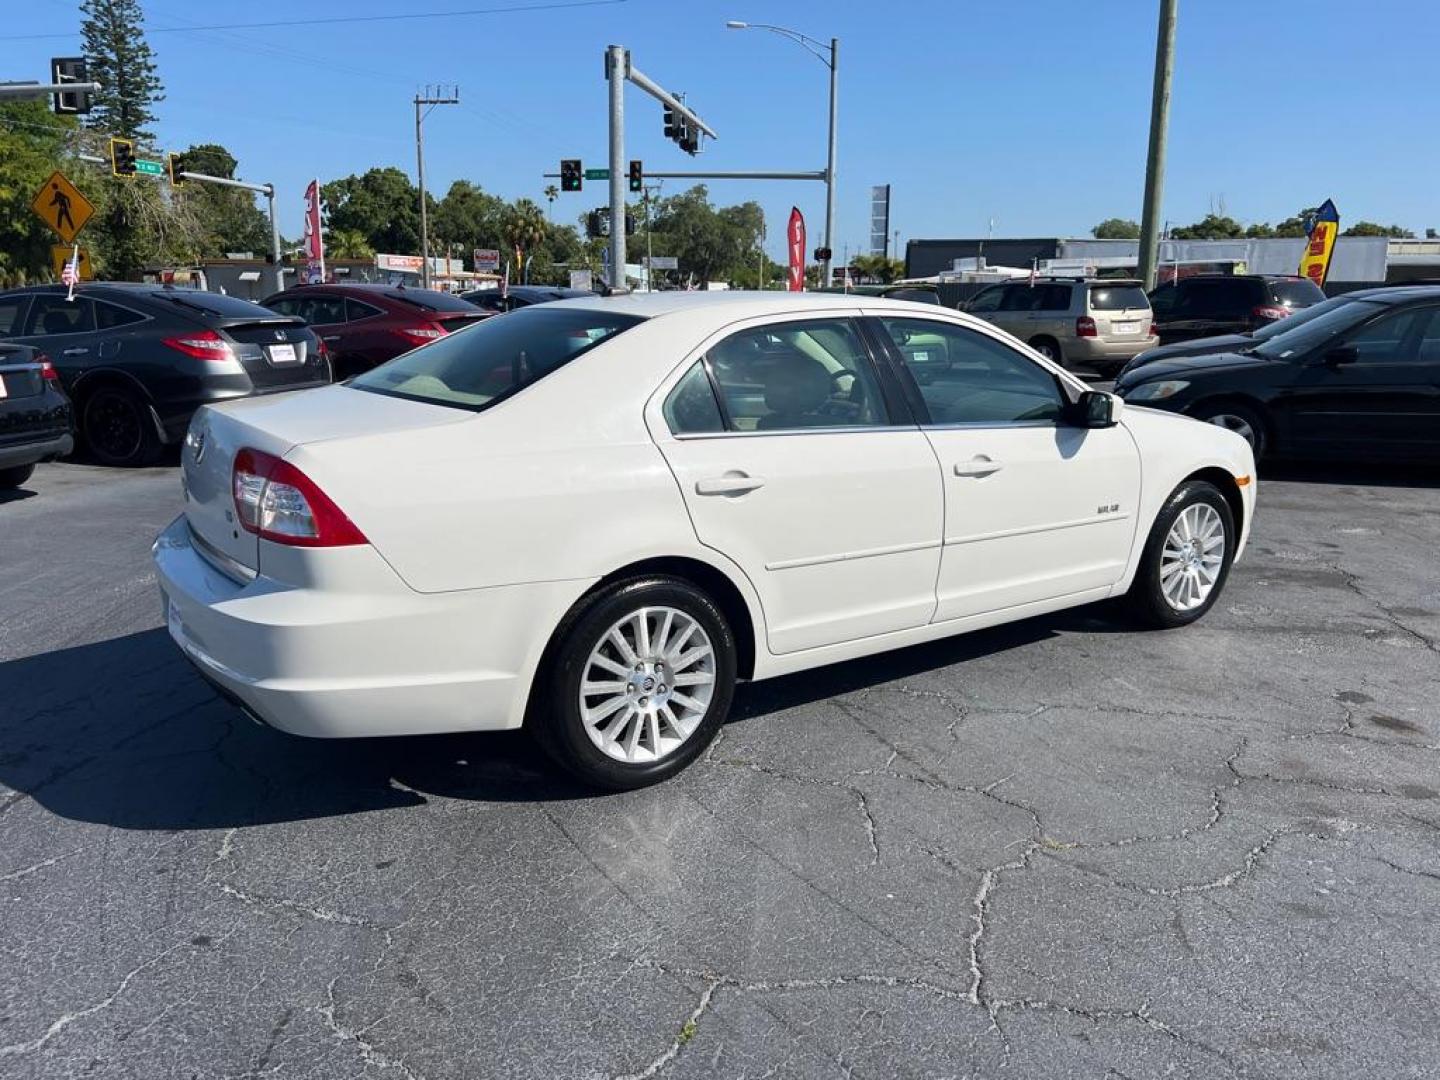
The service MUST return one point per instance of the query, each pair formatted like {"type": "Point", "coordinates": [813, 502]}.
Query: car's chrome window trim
{"type": "Point", "coordinates": [851, 429]}
{"type": "Point", "coordinates": [974, 424]}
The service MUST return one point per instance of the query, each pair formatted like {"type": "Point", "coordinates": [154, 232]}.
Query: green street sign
{"type": "Point", "coordinates": [597, 174]}
{"type": "Point", "coordinates": [151, 168]}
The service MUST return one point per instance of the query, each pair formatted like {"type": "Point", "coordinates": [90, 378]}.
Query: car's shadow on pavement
{"type": "Point", "coordinates": [124, 733]}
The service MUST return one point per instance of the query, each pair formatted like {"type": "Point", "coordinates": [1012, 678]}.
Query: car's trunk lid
{"type": "Point", "coordinates": [275, 425]}
{"type": "Point", "coordinates": [275, 352]}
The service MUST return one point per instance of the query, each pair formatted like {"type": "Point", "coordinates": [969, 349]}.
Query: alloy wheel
{"type": "Point", "coordinates": [647, 684]}
{"type": "Point", "coordinates": [113, 426]}
{"type": "Point", "coordinates": [1238, 424]}
{"type": "Point", "coordinates": [1193, 555]}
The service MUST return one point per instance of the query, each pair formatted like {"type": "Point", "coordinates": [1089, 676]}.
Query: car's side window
{"type": "Point", "coordinates": [691, 408]}
{"type": "Point", "coordinates": [967, 377]}
{"type": "Point", "coordinates": [324, 310]}
{"type": "Point", "coordinates": [110, 316]}
{"type": "Point", "coordinates": [802, 375]}
{"type": "Point", "coordinates": [53, 314]}
{"type": "Point", "coordinates": [10, 312]}
{"type": "Point", "coordinates": [987, 300]}
{"type": "Point", "coordinates": [286, 305]}
{"type": "Point", "coordinates": [1387, 340]}
{"type": "Point", "coordinates": [1020, 298]}
{"type": "Point", "coordinates": [1429, 350]}
{"type": "Point", "coordinates": [1162, 301]}
{"type": "Point", "coordinates": [355, 310]}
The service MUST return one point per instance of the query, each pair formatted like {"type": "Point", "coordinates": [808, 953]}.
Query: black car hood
{"type": "Point", "coordinates": [1180, 366]}
{"type": "Point", "coordinates": [1196, 347]}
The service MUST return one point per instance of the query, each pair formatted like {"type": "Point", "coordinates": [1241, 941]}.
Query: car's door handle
{"type": "Point", "coordinates": [329, 337]}
{"type": "Point", "coordinates": [977, 466]}
{"type": "Point", "coordinates": [76, 351]}
{"type": "Point", "coordinates": [732, 483]}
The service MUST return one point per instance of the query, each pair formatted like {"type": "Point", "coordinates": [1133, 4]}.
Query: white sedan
{"type": "Point", "coordinates": [593, 517]}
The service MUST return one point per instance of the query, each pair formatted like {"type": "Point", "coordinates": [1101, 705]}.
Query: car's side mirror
{"type": "Point", "coordinates": [1341, 355]}
{"type": "Point", "coordinates": [1096, 409]}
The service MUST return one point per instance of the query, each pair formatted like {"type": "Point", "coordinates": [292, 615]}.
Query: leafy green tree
{"type": "Point", "coordinates": [121, 61]}
{"type": "Point", "coordinates": [712, 245]}
{"type": "Point", "coordinates": [879, 268]}
{"type": "Point", "coordinates": [1370, 228]}
{"type": "Point", "coordinates": [382, 205]}
{"type": "Point", "coordinates": [468, 216]}
{"type": "Point", "coordinates": [347, 244]}
{"type": "Point", "coordinates": [32, 146]}
{"type": "Point", "coordinates": [229, 218]}
{"type": "Point", "coordinates": [1210, 227]}
{"type": "Point", "coordinates": [1116, 229]}
{"type": "Point", "coordinates": [523, 228]}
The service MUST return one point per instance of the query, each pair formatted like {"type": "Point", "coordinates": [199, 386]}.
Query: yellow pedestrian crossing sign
{"type": "Point", "coordinates": [60, 205]}
{"type": "Point", "coordinates": [60, 255]}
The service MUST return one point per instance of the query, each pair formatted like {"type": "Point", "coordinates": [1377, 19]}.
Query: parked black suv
{"type": "Point", "coordinates": [138, 360]}
{"type": "Point", "coordinates": [1209, 304]}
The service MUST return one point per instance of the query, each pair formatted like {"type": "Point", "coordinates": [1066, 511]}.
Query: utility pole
{"type": "Point", "coordinates": [830, 160]}
{"type": "Point", "coordinates": [617, 64]}
{"type": "Point", "coordinates": [1155, 156]}
{"type": "Point", "coordinates": [430, 103]}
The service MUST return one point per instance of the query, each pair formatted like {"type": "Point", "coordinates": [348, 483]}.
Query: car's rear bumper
{"type": "Point", "coordinates": [364, 655]}
{"type": "Point", "coordinates": [40, 448]}
{"type": "Point", "coordinates": [1111, 351]}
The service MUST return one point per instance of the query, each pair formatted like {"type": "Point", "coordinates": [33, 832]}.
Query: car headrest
{"type": "Point", "coordinates": [796, 383]}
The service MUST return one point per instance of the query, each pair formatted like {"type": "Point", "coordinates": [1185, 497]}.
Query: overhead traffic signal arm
{"type": "Point", "coordinates": [122, 157]}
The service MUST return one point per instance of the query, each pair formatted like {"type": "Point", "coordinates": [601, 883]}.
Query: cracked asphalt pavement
{"type": "Point", "coordinates": [1063, 848]}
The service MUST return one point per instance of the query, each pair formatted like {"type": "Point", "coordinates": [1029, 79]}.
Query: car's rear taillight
{"type": "Point", "coordinates": [203, 345]}
{"type": "Point", "coordinates": [419, 335]}
{"type": "Point", "coordinates": [47, 368]}
{"type": "Point", "coordinates": [1270, 312]}
{"type": "Point", "coordinates": [1085, 327]}
{"type": "Point", "coordinates": [278, 502]}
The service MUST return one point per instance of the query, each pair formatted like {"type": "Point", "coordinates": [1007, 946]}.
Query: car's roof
{"type": "Point", "coordinates": [1242, 277]}
{"type": "Point", "coordinates": [1396, 294]}
{"type": "Point", "coordinates": [737, 303]}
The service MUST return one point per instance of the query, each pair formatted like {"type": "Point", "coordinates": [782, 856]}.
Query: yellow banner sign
{"type": "Point", "coordinates": [60, 205]}
{"type": "Point", "coordinates": [1315, 262]}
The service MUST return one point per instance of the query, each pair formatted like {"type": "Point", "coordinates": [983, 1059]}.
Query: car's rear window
{"type": "Point", "coordinates": [1118, 298]}
{"type": "Point", "coordinates": [487, 362]}
{"type": "Point", "coordinates": [1296, 292]}
{"type": "Point", "coordinates": [210, 303]}
{"type": "Point", "coordinates": [431, 300]}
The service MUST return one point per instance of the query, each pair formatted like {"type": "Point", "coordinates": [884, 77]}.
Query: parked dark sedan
{"type": "Point", "coordinates": [1359, 381]}
{"type": "Point", "coordinates": [1230, 342]}
{"type": "Point", "coordinates": [138, 360]}
{"type": "Point", "coordinates": [365, 325]}
{"type": "Point", "coordinates": [518, 296]}
{"type": "Point", "coordinates": [1208, 304]}
{"type": "Point", "coordinates": [34, 414]}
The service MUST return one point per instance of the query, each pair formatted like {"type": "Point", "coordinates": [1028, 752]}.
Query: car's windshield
{"type": "Point", "coordinates": [1304, 335]}
{"type": "Point", "coordinates": [1300, 318]}
{"type": "Point", "coordinates": [491, 360]}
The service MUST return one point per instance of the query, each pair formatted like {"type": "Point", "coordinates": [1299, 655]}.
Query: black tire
{"type": "Point", "coordinates": [13, 477]}
{"type": "Point", "coordinates": [1049, 348]}
{"type": "Point", "coordinates": [1146, 598]}
{"type": "Point", "coordinates": [1244, 420]}
{"type": "Point", "coordinates": [117, 429]}
{"type": "Point", "coordinates": [557, 721]}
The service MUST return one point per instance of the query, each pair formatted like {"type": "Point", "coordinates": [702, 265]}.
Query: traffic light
{"type": "Point", "coordinates": [629, 223]}
{"type": "Point", "coordinates": [175, 165]}
{"type": "Point", "coordinates": [572, 176]}
{"type": "Point", "coordinates": [70, 69]}
{"type": "Point", "coordinates": [672, 123]}
{"type": "Point", "coordinates": [637, 176]}
{"type": "Point", "coordinates": [595, 224]}
{"type": "Point", "coordinates": [823, 254]}
{"type": "Point", "coordinates": [122, 157]}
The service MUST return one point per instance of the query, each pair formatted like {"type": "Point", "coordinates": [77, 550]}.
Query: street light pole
{"type": "Point", "coordinates": [831, 59]}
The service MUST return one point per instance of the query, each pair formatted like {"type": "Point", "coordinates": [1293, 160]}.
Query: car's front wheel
{"type": "Point", "coordinates": [1187, 557]}
{"type": "Point", "coordinates": [640, 681]}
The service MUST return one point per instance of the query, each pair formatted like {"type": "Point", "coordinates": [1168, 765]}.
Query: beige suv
{"type": "Point", "coordinates": [1090, 323]}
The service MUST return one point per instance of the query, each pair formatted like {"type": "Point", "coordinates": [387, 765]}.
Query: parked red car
{"type": "Point", "coordinates": [365, 325]}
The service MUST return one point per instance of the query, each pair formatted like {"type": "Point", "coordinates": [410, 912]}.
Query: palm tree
{"type": "Point", "coordinates": [348, 244]}
{"type": "Point", "coordinates": [523, 227]}
{"type": "Point", "coordinates": [551, 194]}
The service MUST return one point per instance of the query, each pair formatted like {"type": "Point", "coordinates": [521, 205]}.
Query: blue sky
{"type": "Point", "coordinates": [1030, 112]}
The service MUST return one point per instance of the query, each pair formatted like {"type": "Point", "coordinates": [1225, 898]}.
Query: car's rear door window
{"type": "Point", "coordinates": [798, 375]}
{"type": "Point", "coordinates": [691, 408]}
{"type": "Point", "coordinates": [355, 310]}
{"type": "Point", "coordinates": [11, 308]}
{"type": "Point", "coordinates": [111, 316]}
{"type": "Point", "coordinates": [495, 358]}
{"type": "Point", "coordinates": [53, 314]}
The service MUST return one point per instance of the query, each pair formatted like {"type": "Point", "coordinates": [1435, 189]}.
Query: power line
{"type": "Point", "coordinates": [350, 19]}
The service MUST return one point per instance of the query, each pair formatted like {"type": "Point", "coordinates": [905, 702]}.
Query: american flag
{"type": "Point", "coordinates": [70, 274]}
